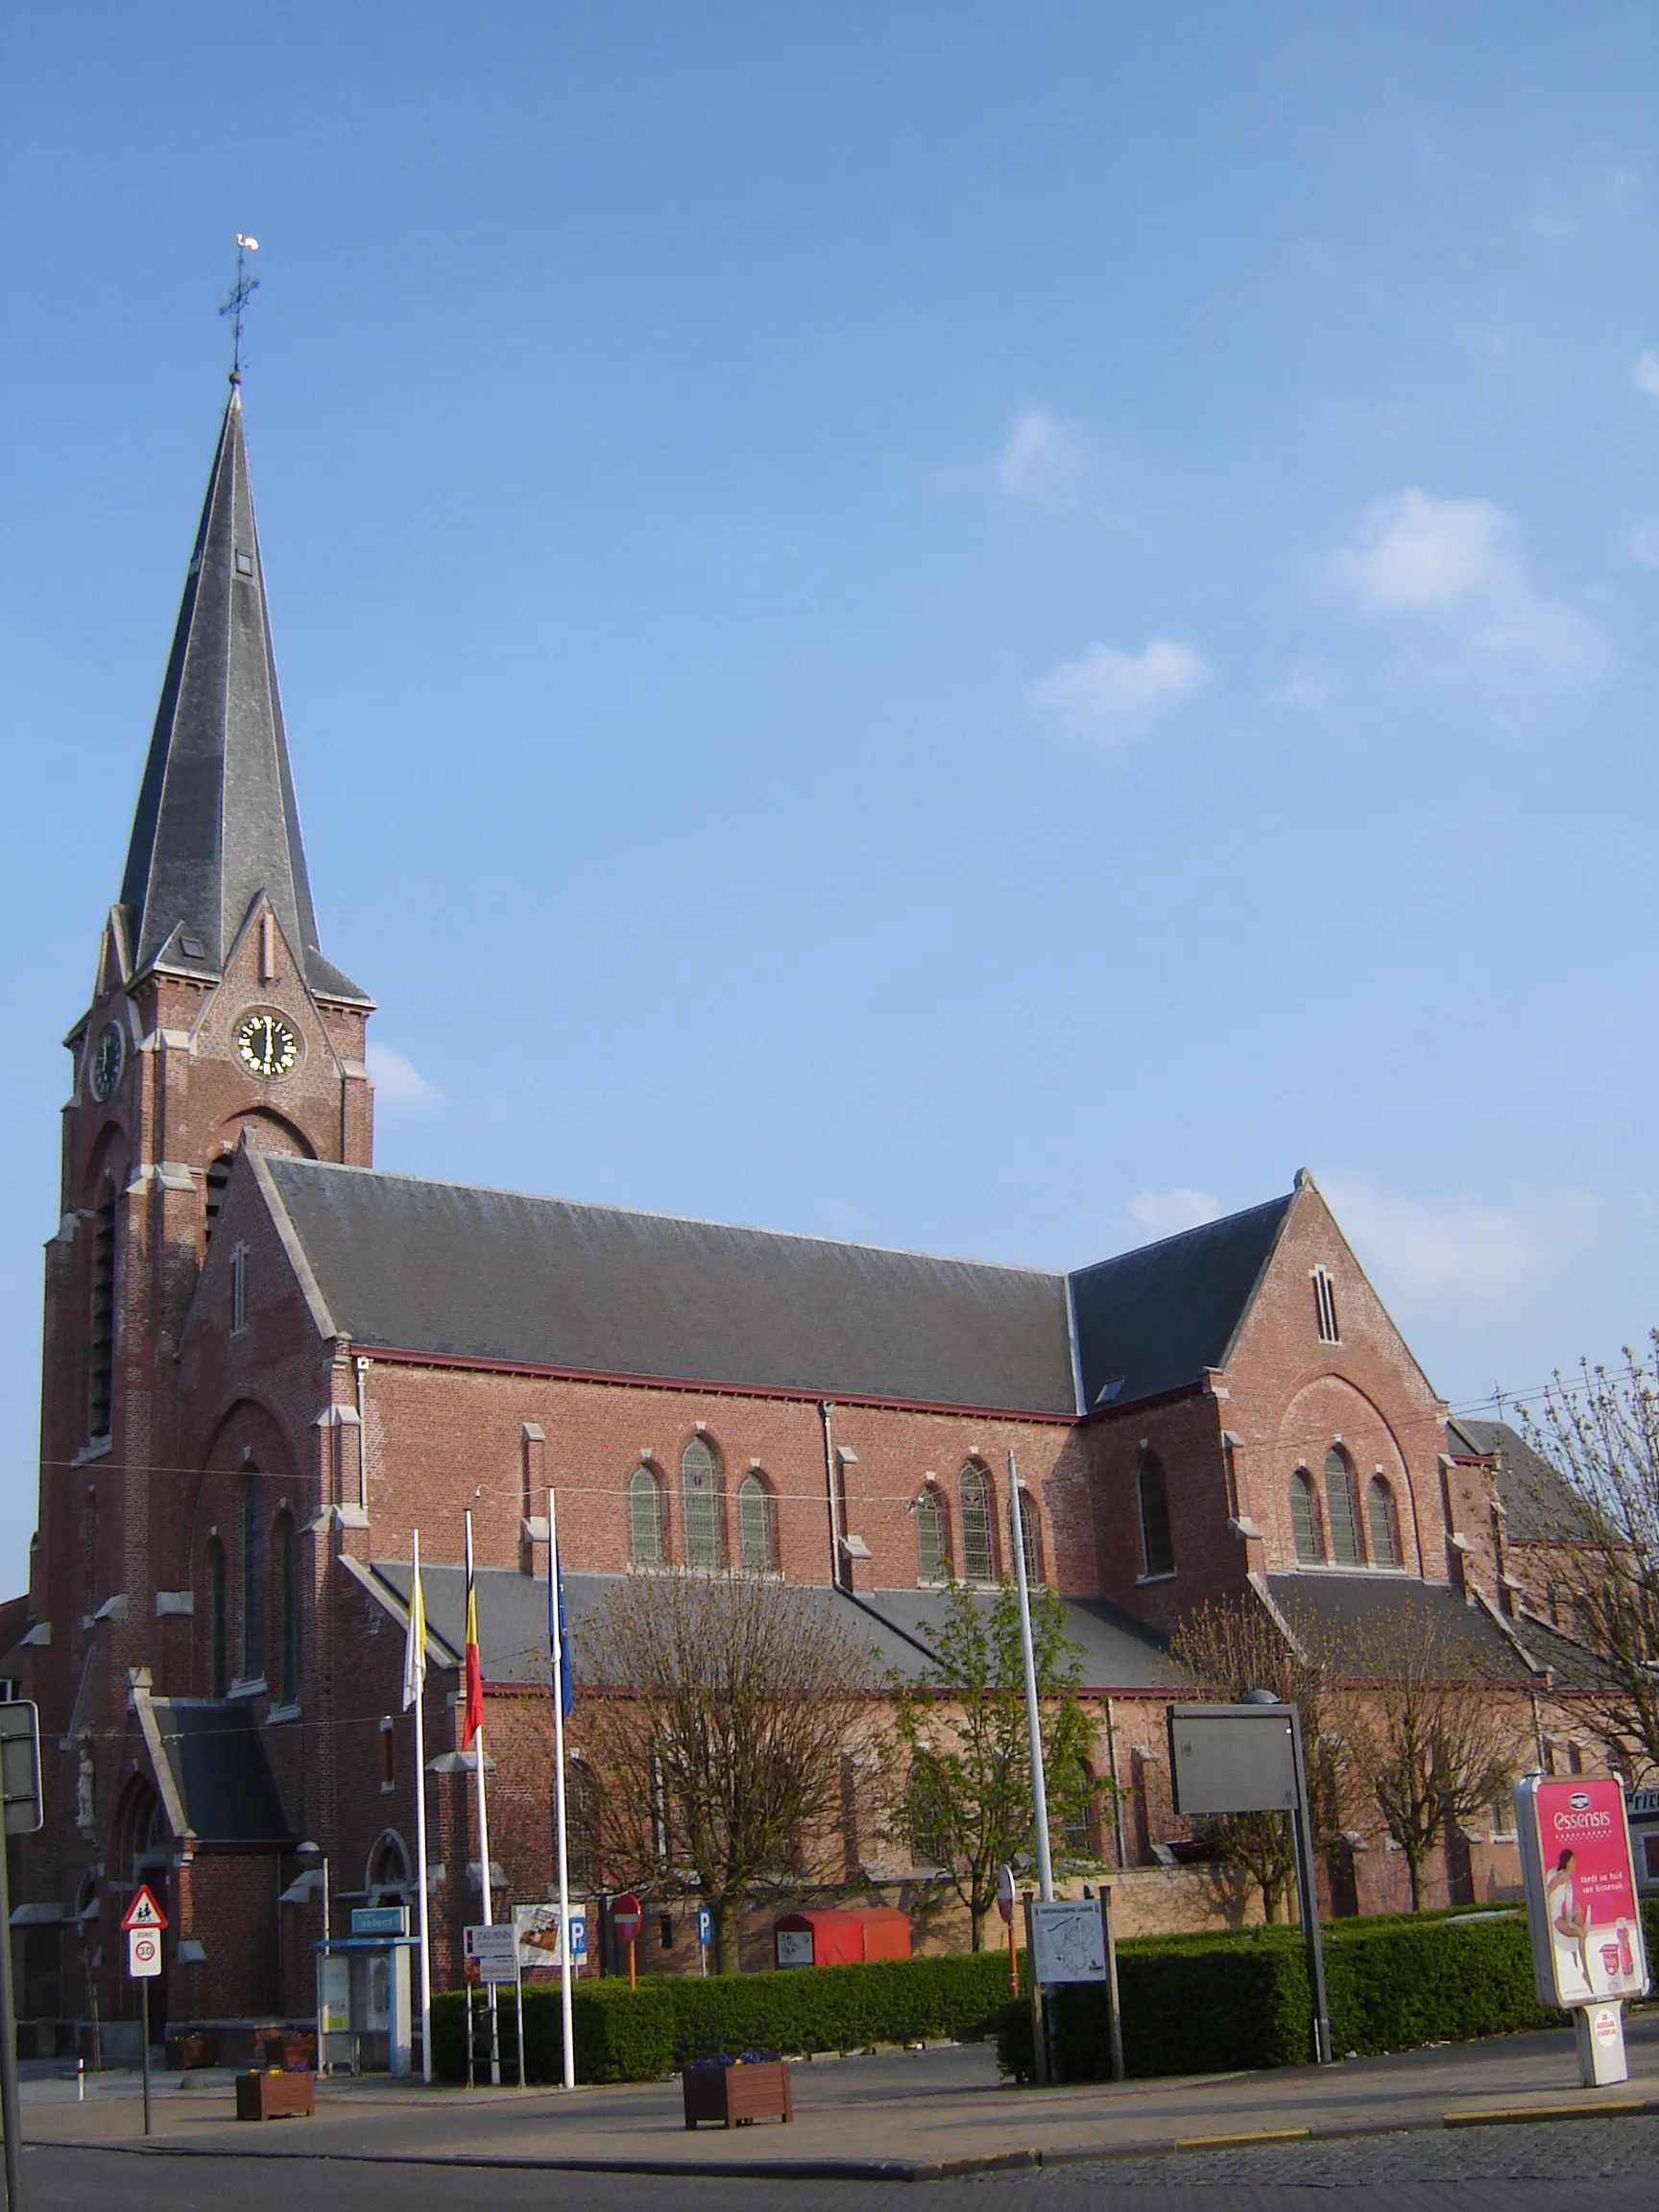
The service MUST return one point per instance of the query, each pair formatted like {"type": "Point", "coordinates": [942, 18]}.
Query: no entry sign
{"type": "Point", "coordinates": [626, 1915]}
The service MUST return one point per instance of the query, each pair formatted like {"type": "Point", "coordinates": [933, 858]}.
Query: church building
{"type": "Point", "coordinates": [267, 1362]}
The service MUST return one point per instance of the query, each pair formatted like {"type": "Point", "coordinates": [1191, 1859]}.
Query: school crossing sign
{"type": "Point", "coordinates": [142, 1923]}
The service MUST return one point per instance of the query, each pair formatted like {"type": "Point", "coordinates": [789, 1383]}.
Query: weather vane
{"type": "Point", "coordinates": [241, 292]}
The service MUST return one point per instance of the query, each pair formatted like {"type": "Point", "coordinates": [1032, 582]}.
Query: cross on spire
{"type": "Point", "coordinates": [241, 292]}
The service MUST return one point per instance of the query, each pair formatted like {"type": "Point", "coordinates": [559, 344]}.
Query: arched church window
{"type": "Point", "coordinates": [700, 1499]}
{"type": "Point", "coordinates": [1030, 1540]}
{"type": "Point", "coordinates": [1305, 1519]}
{"type": "Point", "coordinates": [1342, 1509]}
{"type": "Point", "coordinates": [388, 1870]}
{"type": "Point", "coordinates": [757, 1528]}
{"type": "Point", "coordinates": [1385, 1522]}
{"type": "Point", "coordinates": [1082, 1823]}
{"type": "Point", "coordinates": [252, 1577]}
{"type": "Point", "coordinates": [932, 1541]}
{"type": "Point", "coordinates": [1157, 1548]}
{"type": "Point", "coordinates": [213, 1191]}
{"type": "Point", "coordinates": [287, 1548]}
{"type": "Point", "coordinates": [644, 1518]}
{"type": "Point", "coordinates": [218, 1641]}
{"type": "Point", "coordinates": [101, 1374]}
{"type": "Point", "coordinates": [978, 1551]}
{"type": "Point", "coordinates": [581, 1828]}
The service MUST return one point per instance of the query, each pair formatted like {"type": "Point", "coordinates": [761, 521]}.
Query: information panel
{"type": "Point", "coordinates": [1581, 1901]}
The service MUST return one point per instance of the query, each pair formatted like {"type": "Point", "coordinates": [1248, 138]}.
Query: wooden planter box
{"type": "Point", "coordinates": [276, 2096]}
{"type": "Point", "coordinates": [737, 2095]}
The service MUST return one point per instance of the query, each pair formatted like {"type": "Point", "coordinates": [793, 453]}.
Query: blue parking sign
{"type": "Point", "coordinates": [578, 1937]}
{"type": "Point", "coordinates": [704, 1926]}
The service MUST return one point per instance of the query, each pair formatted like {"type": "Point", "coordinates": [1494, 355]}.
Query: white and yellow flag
{"type": "Point", "coordinates": [415, 1647]}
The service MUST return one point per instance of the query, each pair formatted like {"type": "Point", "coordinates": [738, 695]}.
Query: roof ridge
{"type": "Point", "coordinates": [286, 1161]}
{"type": "Point", "coordinates": [1182, 1236]}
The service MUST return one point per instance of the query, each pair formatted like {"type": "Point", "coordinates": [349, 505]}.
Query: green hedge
{"type": "Point", "coordinates": [639, 2034]}
{"type": "Point", "coordinates": [1205, 2005]}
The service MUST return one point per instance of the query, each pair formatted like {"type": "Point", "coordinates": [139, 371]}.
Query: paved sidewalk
{"type": "Point", "coordinates": [903, 2115]}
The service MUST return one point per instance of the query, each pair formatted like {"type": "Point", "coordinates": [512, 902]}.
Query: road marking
{"type": "Point", "coordinates": [1521, 2115]}
{"type": "Point", "coordinates": [1230, 2142]}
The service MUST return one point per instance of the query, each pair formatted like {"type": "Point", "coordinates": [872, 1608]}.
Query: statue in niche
{"type": "Point", "coordinates": [85, 1817]}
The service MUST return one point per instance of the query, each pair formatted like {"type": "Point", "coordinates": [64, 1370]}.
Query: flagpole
{"type": "Point", "coordinates": [417, 1602]}
{"type": "Point", "coordinates": [556, 1641]}
{"type": "Point", "coordinates": [483, 1811]}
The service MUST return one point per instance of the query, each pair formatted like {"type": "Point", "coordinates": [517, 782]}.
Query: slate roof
{"type": "Point", "coordinates": [216, 1754]}
{"type": "Point", "coordinates": [1538, 1505]}
{"type": "Point", "coordinates": [469, 1273]}
{"type": "Point", "coordinates": [1152, 1320]}
{"type": "Point", "coordinates": [1366, 1603]}
{"type": "Point", "coordinates": [217, 822]}
{"type": "Point", "coordinates": [1119, 1653]}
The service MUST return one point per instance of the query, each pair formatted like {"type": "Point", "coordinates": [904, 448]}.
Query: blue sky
{"type": "Point", "coordinates": [975, 627]}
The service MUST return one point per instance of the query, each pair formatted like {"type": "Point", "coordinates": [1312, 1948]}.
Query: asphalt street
{"type": "Point", "coordinates": [1606, 2165]}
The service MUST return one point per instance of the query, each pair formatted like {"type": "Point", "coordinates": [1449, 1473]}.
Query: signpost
{"type": "Point", "coordinates": [1005, 1905]}
{"type": "Point", "coordinates": [626, 1915]}
{"type": "Point", "coordinates": [1583, 1911]}
{"type": "Point", "coordinates": [490, 1960]}
{"type": "Point", "coordinates": [20, 1797]}
{"type": "Point", "coordinates": [142, 1924]}
{"type": "Point", "coordinates": [1248, 1759]}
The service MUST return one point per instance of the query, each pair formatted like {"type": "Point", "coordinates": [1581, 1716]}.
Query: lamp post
{"type": "Point", "coordinates": [315, 1851]}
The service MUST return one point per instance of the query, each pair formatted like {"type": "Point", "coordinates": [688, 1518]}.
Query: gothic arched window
{"type": "Point", "coordinates": [581, 1829]}
{"type": "Point", "coordinates": [1385, 1522]}
{"type": "Point", "coordinates": [1030, 1540]}
{"type": "Point", "coordinates": [1156, 1545]}
{"type": "Point", "coordinates": [218, 1640]}
{"type": "Point", "coordinates": [252, 1577]}
{"type": "Point", "coordinates": [1082, 1824]}
{"type": "Point", "coordinates": [1342, 1509]}
{"type": "Point", "coordinates": [700, 1499]}
{"type": "Point", "coordinates": [286, 1545]}
{"type": "Point", "coordinates": [644, 1518]}
{"type": "Point", "coordinates": [1305, 1519]}
{"type": "Point", "coordinates": [932, 1541]}
{"type": "Point", "coordinates": [978, 1550]}
{"type": "Point", "coordinates": [757, 1528]}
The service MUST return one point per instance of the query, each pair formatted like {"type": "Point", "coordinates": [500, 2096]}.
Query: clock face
{"type": "Point", "coordinates": [106, 1058]}
{"type": "Point", "coordinates": [266, 1045]}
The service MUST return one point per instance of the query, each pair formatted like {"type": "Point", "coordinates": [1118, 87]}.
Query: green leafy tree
{"type": "Point", "coordinates": [967, 1804]}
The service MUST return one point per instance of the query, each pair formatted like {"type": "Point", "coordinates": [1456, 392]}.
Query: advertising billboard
{"type": "Point", "coordinates": [1581, 1900]}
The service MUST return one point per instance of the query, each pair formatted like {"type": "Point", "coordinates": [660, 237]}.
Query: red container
{"type": "Point", "coordinates": [841, 1938]}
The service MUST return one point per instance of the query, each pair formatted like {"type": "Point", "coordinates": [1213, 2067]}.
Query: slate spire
{"type": "Point", "coordinates": [217, 823]}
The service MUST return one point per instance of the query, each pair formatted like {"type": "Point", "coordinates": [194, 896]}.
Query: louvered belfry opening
{"type": "Point", "coordinates": [101, 1376]}
{"type": "Point", "coordinates": [218, 1175]}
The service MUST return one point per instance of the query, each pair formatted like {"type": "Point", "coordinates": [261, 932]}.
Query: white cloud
{"type": "Point", "coordinates": [1643, 541]}
{"type": "Point", "coordinates": [1043, 465]}
{"type": "Point", "coordinates": [1167, 1213]}
{"type": "Point", "coordinates": [1108, 695]}
{"type": "Point", "coordinates": [398, 1084]}
{"type": "Point", "coordinates": [1453, 563]}
{"type": "Point", "coordinates": [1645, 372]}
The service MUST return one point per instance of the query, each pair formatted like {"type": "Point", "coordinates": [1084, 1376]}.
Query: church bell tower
{"type": "Point", "coordinates": [215, 1018]}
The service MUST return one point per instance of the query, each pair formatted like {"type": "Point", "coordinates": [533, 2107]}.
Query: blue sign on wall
{"type": "Point", "coordinates": [380, 1920]}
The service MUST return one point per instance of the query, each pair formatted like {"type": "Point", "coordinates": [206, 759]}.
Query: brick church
{"type": "Point", "coordinates": [267, 1362]}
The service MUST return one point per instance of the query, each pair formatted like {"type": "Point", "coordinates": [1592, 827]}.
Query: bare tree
{"type": "Point", "coordinates": [1600, 1436]}
{"type": "Point", "coordinates": [967, 1803]}
{"type": "Point", "coordinates": [722, 1737]}
{"type": "Point", "coordinates": [1421, 1733]}
{"type": "Point", "coordinates": [1230, 1648]}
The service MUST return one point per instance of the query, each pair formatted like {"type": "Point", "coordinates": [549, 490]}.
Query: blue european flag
{"type": "Point", "coordinates": [559, 1635]}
